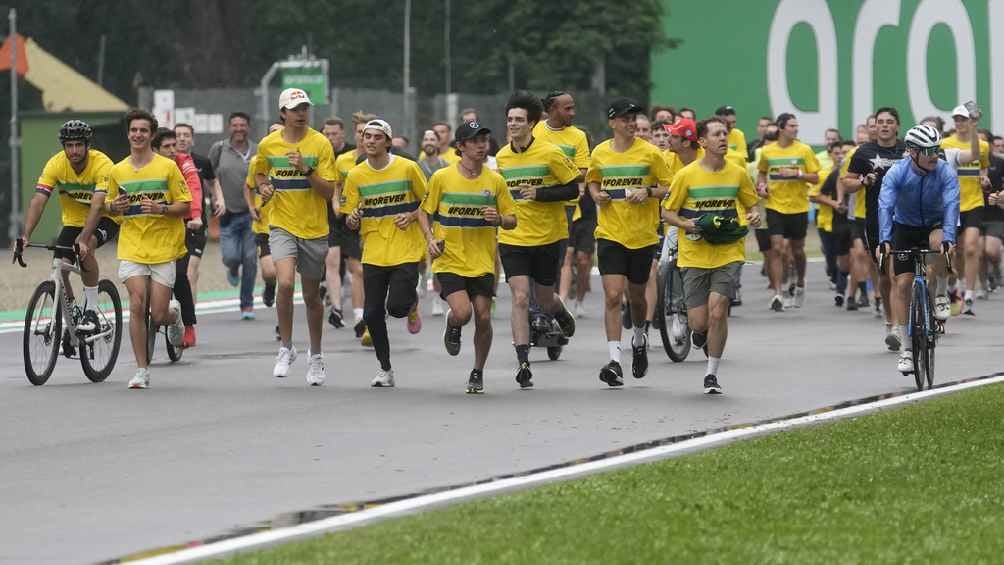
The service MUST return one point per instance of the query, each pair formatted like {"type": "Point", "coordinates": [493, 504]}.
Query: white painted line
{"type": "Point", "coordinates": [400, 507]}
{"type": "Point", "coordinates": [202, 308]}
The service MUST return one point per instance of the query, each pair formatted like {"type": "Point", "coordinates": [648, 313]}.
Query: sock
{"type": "Point", "coordinates": [476, 371]}
{"type": "Point", "coordinates": [615, 350]}
{"type": "Point", "coordinates": [358, 313]}
{"type": "Point", "coordinates": [90, 298]}
{"type": "Point", "coordinates": [523, 353]}
{"type": "Point", "coordinates": [969, 294]}
{"type": "Point", "coordinates": [940, 286]}
{"type": "Point", "coordinates": [713, 365]}
{"type": "Point", "coordinates": [639, 335]}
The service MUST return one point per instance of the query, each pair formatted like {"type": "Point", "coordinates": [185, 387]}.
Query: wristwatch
{"type": "Point", "coordinates": [648, 190]}
{"type": "Point", "coordinates": [309, 172]}
{"type": "Point", "coordinates": [163, 209]}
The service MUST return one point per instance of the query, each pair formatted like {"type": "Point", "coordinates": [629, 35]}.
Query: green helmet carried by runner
{"type": "Point", "coordinates": [717, 229]}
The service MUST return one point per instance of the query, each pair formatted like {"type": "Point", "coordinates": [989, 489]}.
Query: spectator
{"type": "Point", "coordinates": [830, 136]}
{"type": "Point", "coordinates": [334, 130]}
{"type": "Point", "coordinates": [663, 114]}
{"type": "Point", "coordinates": [400, 142]}
{"type": "Point", "coordinates": [761, 132]}
{"type": "Point", "coordinates": [688, 113]}
{"type": "Point", "coordinates": [430, 160]}
{"type": "Point", "coordinates": [644, 127]}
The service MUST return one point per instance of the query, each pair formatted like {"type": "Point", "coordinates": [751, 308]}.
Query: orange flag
{"type": "Point", "coordinates": [22, 60]}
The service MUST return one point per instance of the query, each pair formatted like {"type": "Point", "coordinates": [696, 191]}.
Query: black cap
{"type": "Point", "coordinates": [623, 106]}
{"type": "Point", "coordinates": [468, 131]}
{"type": "Point", "coordinates": [725, 111]}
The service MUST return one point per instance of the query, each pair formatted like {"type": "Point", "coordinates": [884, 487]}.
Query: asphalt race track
{"type": "Point", "coordinates": [96, 471]}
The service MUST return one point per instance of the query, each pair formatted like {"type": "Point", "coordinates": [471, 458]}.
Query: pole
{"type": "Point", "coordinates": [446, 50]}
{"type": "Point", "coordinates": [101, 59]}
{"type": "Point", "coordinates": [263, 113]}
{"type": "Point", "coordinates": [406, 72]}
{"type": "Point", "coordinates": [14, 227]}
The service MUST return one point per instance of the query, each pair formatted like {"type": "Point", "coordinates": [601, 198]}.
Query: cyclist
{"type": "Point", "coordinates": [74, 172]}
{"type": "Point", "coordinates": [922, 194]}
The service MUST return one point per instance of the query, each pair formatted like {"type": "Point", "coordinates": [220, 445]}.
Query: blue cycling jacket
{"type": "Point", "coordinates": [913, 199]}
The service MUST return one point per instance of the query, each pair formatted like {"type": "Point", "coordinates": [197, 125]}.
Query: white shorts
{"type": "Point", "coordinates": [162, 273]}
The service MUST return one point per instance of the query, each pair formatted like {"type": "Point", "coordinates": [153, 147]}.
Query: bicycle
{"type": "Point", "coordinates": [674, 310]}
{"type": "Point", "coordinates": [174, 353]}
{"type": "Point", "coordinates": [923, 329]}
{"type": "Point", "coordinates": [51, 307]}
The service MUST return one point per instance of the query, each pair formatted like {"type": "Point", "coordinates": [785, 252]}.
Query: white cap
{"type": "Point", "coordinates": [961, 110]}
{"type": "Point", "coordinates": [293, 97]}
{"type": "Point", "coordinates": [381, 126]}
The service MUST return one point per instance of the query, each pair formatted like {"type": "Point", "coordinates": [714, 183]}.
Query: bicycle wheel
{"type": "Point", "coordinates": [100, 350]}
{"type": "Point", "coordinates": [173, 353]}
{"type": "Point", "coordinates": [670, 290]}
{"type": "Point", "coordinates": [918, 339]}
{"type": "Point", "coordinates": [43, 332]}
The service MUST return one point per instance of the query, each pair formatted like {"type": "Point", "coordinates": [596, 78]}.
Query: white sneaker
{"type": "Point", "coordinates": [892, 339]}
{"type": "Point", "coordinates": [905, 364]}
{"type": "Point", "coordinates": [383, 379]}
{"type": "Point", "coordinates": [942, 308]}
{"type": "Point", "coordinates": [580, 309]}
{"type": "Point", "coordinates": [283, 360]}
{"type": "Point", "coordinates": [176, 331]}
{"type": "Point", "coordinates": [799, 298]}
{"type": "Point", "coordinates": [677, 329]}
{"type": "Point", "coordinates": [437, 306]}
{"type": "Point", "coordinates": [315, 370]}
{"type": "Point", "coordinates": [141, 379]}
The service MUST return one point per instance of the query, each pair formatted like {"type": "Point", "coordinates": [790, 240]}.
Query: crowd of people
{"type": "Point", "coordinates": [540, 209]}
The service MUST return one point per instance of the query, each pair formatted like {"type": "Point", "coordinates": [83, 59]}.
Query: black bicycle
{"type": "Point", "coordinates": [670, 305]}
{"type": "Point", "coordinates": [174, 352]}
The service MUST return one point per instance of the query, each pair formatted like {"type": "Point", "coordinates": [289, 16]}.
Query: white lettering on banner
{"type": "Point", "coordinates": [874, 15]}
{"type": "Point", "coordinates": [816, 14]}
{"type": "Point", "coordinates": [929, 14]}
{"type": "Point", "coordinates": [995, 21]}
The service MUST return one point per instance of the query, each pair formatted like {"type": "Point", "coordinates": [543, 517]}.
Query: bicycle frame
{"type": "Point", "coordinates": [59, 267]}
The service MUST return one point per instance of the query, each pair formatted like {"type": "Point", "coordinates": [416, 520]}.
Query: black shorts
{"type": "Point", "coordinates": [539, 262]}
{"type": "Point", "coordinates": [909, 237]}
{"type": "Point", "coordinates": [474, 286]}
{"type": "Point", "coordinates": [841, 242]}
{"type": "Point", "coordinates": [345, 239]}
{"type": "Point", "coordinates": [971, 218]}
{"type": "Point", "coordinates": [195, 241]}
{"type": "Point", "coordinates": [857, 229]}
{"type": "Point", "coordinates": [993, 229]}
{"type": "Point", "coordinates": [871, 239]}
{"type": "Point", "coordinates": [582, 236]}
{"type": "Point", "coordinates": [105, 231]}
{"type": "Point", "coordinates": [791, 226]}
{"type": "Point", "coordinates": [569, 214]}
{"type": "Point", "coordinates": [261, 241]}
{"type": "Point", "coordinates": [615, 259]}
{"type": "Point", "coordinates": [762, 239]}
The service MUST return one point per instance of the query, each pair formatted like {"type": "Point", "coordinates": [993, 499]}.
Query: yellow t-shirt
{"type": "Point", "coordinates": [860, 201]}
{"type": "Point", "coordinates": [261, 225]}
{"type": "Point", "coordinates": [149, 239]}
{"type": "Point", "coordinates": [75, 191]}
{"type": "Point", "coordinates": [786, 193]}
{"type": "Point", "coordinates": [824, 214]}
{"type": "Point", "coordinates": [296, 207]}
{"type": "Point", "coordinates": [970, 190]}
{"type": "Point", "coordinates": [696, 191]}
{"type": "Point", "coordinates": [572, 142]}
{"type": "Point", "coordinates": [454, 206]}
{"type": "Point", "coordinates": [450, 156]}
{"type": "Point", "coordinates": [737, 147]}
{"type": "Point", "coordinates": [642, 165]}
{"type": "Point", "coordinates": [343, 164]}
{"type": "Point", "coordinates": [398, 187]}
{"type": "Point", "coordinates": [542, 165]}
{"type": "Point", "coordinates": [674, 162]}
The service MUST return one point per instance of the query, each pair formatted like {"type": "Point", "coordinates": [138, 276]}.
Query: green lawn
{"type": "Point", "coordinates": [919, 484]}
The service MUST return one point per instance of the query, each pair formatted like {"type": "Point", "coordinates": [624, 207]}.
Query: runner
{"type": "Point", "coordinates": [869, 165]}
{"type": "Point", "coordinates": [260, 214]}
{"type": "Point", "coordinates": [467, 202]}
{"type": "Point", "coordinates": [382, 195]}
{"type": "Point", "coordinates": [993, 219]}
{"type": "Point", "coordinates": [918, 206]}
{"type": "Point", "coordinates": [75, 172]}
{"type": "Point", "coordinates": [540, 178]}
{"type": "Point", "coordinates": [165, 142]}
{"type": "Point", "coordinates": [627, 177]}
{"type": "Point", "coordinates": [151, 195]}
{"type": "Point", "coordinates": [706, 200]}
{"type": "Point", "coordinates": [430, 162]}
{"type": "Point", "coordinates": [580, 212]}
{"type": "Point", "coordinates": [737, 139]}
{"type": "Point", "coordinates": [644, 128]}
{"type": "Point", "coordinates": [334, 131]}
{"type": "Point", "coordinates": [972, 179]}
{"type": "Point", "coordinates": [446, 152]}
{"type": "Point", "coordinates": [831, 220]}
{"type": "Point", "coordinates": [346, 240]}
{"type": "Point", "coordinates": [295, 169]}
{"type": "Point", "coordinates": [786, 169]}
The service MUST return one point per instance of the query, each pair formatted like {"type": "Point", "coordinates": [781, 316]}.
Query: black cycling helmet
{"type": "Point", "coordinates": [75, 130]}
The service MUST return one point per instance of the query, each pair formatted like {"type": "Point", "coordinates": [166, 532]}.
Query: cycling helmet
{"type": "Point", "coordinates": [75, 130]}
{"type": "Point", "coordinates": [923, 136]}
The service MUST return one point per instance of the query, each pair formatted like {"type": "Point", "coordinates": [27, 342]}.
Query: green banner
{"type": "Point", "coordinates": [832, 62]}
{"type": "Point", "coordinates": [313, 80]}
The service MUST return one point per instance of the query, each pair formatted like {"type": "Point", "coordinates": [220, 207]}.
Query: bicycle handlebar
{"type": "Point", "coordinates": [20, 246]}
{"type": "Point", "coordinates": [915, 252]}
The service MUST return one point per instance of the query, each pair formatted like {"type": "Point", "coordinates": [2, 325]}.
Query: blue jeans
{"type": "Point", "coordinates": [238, 249]}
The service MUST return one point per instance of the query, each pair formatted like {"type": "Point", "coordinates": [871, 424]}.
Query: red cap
{"type": "Point", "coordinates": [685, 128]}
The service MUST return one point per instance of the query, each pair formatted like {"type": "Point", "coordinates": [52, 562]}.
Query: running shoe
{"type": "Point", "coordinates": [315, 370]}
{"type": "Point", "coordinates": [777, 304]}
{"type": "Point", "coordinates": [283, 360]}
{"type": "Point", "coordinates": [335, 318]}
{"type": "Point", "coordinates": [451, 338]}
{"type": "Point", "coordinates": [367, 339]}
{"type": "Point", "coordinates": [580, 309]}
{"type": "Point", "coordinates": [176, 331]}
{"type": "Point", "coordinates": [247, 313]}
{"type": "Point", "coordinates": [838, 301]}
{"type": "Point", "coordinates": [383, 379]}
{"type": "Point", "coordinates": [88, 322]}
{"type": "Point", "coordinates": [942, 308]}
{"type": "Point", "coordinates": [967, 308]}
{"type": "Point", "coordinates": [233, 276]}
{"type": "Point", "coordinates": [879, 313]}
{"type": "Point", "coordinates": [852, 304]}
{"type": "Point", "coordinates": [892, 340]}
{"type": "Point", "coordinates": [476, 382]}
{"type": "Point", "coordinates": [359, 328]}
{"type": "Point", "coordinates": [679, 328]}
{"type": "Point", "coordinates": [278, 337]}
{"type": "Point", "coordinates": [639, 358]}
{"type": "Point", "coordinates": [738, 299]}
{"type": "Point", "coordinates": [863, 301]}
{"type": "Point", "coordinates": [612, 374]}
{"type": "Point", "coordinates": [188, 340]}
{"type": "Point", "coordinates": [268, 295]}
{"type": "Point", "coordinates": [437, 307]}
{"type": "Point", "coordinates": [905, 363]}
{"type": "Point", "coordinates": [141, 379]}
{"type": "Point", "coordinates": [414, 320]}
{"type": "Point", "coordinates": [524, 376]}
{"type": "Point", "coordinates": [565, 319]}
{"type": "Point", "coordinates": [711, 385]}
{"type": "Point", "coordinates": [798, 299]}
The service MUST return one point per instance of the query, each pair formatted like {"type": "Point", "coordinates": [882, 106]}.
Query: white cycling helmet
{"type": "Point", "coordinates": [922, 136]}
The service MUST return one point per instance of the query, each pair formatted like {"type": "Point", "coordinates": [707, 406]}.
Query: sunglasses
{"type": "Point", "coordinates": [929, 151]}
